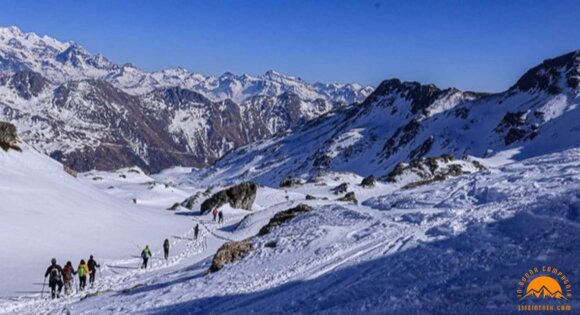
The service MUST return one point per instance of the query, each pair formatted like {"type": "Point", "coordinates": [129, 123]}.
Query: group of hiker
{"type": "Point", "coordinates": [219, 214]}
{"type": "Point", "coordinates": [146, 252]}
{"type": "Point", "coordinates": [59, 277]}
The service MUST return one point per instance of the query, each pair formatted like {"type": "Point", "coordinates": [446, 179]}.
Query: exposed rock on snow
{"type": "Point", "coordinates": [190, 202]}
{"type": "Point", "coordinates": [427, 170]}
{"type": "Point", "coordinates": [349, 197]}
{"type": "Point", "coordinates": [230, 252]}
{"type": "Point", "coordinates": [175, 206]}
{"type": "Point", "coordinates": [8, 137]}
{"type": "Point", "coordinates": [290, 182]}
{"type": "Point", "coordinates": [340, 189]}
{"type": "Point", "coordinates": [368, 181]}
{"type": "Point", "coordinates": [284, 216]}
{"type": "Point", "coordinates": [241, 196]}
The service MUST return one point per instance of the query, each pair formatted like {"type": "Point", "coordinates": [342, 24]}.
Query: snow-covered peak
{"type": "Point", "coordinates": [553, 75]}
{"type": "Point", "coordinates": [64, 61]}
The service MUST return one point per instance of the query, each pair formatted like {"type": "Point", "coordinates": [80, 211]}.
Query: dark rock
{"type": "Point", "coordinates": [8, 137]}
{"type": "Point", "coordinates": [340, 189]}
{"type": "Point", "coordinates": [270, 244]}
{"type": "Point", "coordinates": [230, 252]}
{"type": "Point", "coordinates": [310, 197]}
{"type": "Point", "coordinates": [422, 149]}
{"type": "Point", "coordinates": [290, 182]}
{"type": "Point", "coordinates": [548, 75]}
{"type": "Point", "coordinates": [240, 196]}
{"type": "Point", "coordinates": [349, 197]}
{"type": "Point", "coordinates": [284, 216]}
{"type": "Point", "coordinates": [69, 170]}
{"type": "Point", "coordinates": [175, 206]}
{"type": "Point", "coordinates": [369, 181]}
{"type": "Point", "coordinates": [514, 135]}
{"type": "Point", "coordinates": [190, 202]}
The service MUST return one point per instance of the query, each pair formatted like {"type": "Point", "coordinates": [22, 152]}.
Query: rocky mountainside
{"type": "Point", "coordinates": [88, 112]}
{"type": "Point", "coordinates": [407, 121]}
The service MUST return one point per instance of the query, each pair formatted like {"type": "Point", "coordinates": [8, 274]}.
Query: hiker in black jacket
{"type": "Point", "coordinates": [196, 231]}
{"type": "Point", "coordinates": [55, 279]}
{"type": "Point", "coordinates": [166, 248]}
{"type": "Point", "coordinates": [92, 270]}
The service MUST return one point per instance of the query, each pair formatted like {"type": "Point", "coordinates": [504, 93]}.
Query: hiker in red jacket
{"type": "Point", "coordinates": [68, 273]}
{"type": "Point", "coordinates": [215, 213]}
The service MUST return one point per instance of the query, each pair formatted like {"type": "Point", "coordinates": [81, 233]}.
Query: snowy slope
{"type": "Point", "coordinates": [404, 121]}
{"type": "Point", "coordinates": [455, 247]}
{"type": "Point", "coordinates": [48, 213]}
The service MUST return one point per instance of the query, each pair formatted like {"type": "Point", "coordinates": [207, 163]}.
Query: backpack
{"type": "Point", "coordinates": [81, 271]}
{"type": "Point", "coordinates": [55, 274]}
{"type": "Point", "coordinates": [144, 254]}
{"type": "Point", "coordinates": [67, 273]}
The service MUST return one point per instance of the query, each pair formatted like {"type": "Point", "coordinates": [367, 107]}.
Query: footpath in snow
{"type": "Point", "coordinates": [456, 246]}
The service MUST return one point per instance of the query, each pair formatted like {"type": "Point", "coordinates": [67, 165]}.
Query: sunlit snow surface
{"type": "Point", "coordinates": [457, 246]}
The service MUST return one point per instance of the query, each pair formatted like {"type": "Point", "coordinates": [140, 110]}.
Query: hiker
{"type": "Point", "coordinates": [145, 254]}
{"type": "Point", "coordinates": [92, 270]}
{"type": "Point", "coordinates": [214, 212]}
{"type": "Point", "coordinates": [196, 231]}
{"type": "Point", "coordinates": [166, 248]}
{"type": "Point", "coordinates": [68, 276]}
{"type": "Point", "coordinates": [82, 271]}
{"type": "Point", "coordinates": [221, 215]}
{"type": "Point", "coordinates": [55, 280]}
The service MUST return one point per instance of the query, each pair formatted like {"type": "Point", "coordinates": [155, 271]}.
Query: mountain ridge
{"type": "Point", "coordinates": [403, 121]}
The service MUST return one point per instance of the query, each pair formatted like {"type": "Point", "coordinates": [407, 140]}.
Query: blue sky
{"type": "Point", "coordinates": [473, 45]}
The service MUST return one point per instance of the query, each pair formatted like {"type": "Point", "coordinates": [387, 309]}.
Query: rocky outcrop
{"type": "Point", "coordinates": [235, 250]}
{"type": "Point", "coordinates": [8, 137]}
{"type": "Point", "coordinates": [340, 189]}
{"type": "Point", "coordinates": [432, 169]}
{"type": "Point", "coordinates": [349, 197]}
{"type": "Point", "coordinates": [369, 181]}
{"type": "Point", "coordinates": [290, 182]}
{"type": "Point", "coordinates": [284, 216]}
{"type": "Point", "coordinates": [230, 252]}
{"type": "Point", "coordinates": [241, 196]}
{"type": "Point", "coordinates": [174, 207]}
{"type": "Point", "coordinates": [191, 201]}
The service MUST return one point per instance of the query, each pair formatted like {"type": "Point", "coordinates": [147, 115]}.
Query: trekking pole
{"type": "Point", "coordinates": [43, 284]}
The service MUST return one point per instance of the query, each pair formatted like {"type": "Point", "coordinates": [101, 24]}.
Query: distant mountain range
{"type": "Point", "coordinates": [407, 121]}
{"type": "Point", "coordinates": [88, 112]}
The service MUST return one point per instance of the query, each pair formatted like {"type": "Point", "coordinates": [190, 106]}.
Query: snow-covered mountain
{"type": "Point", "coordinates": [60, 62]}
{"type": "Point", "coordinates": [404, 121]}
{"type": "Point", "coordinates": [90, 113]}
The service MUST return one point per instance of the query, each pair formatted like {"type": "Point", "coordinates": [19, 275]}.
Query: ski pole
{"type": "Point", "coordinates": [43, 284]}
